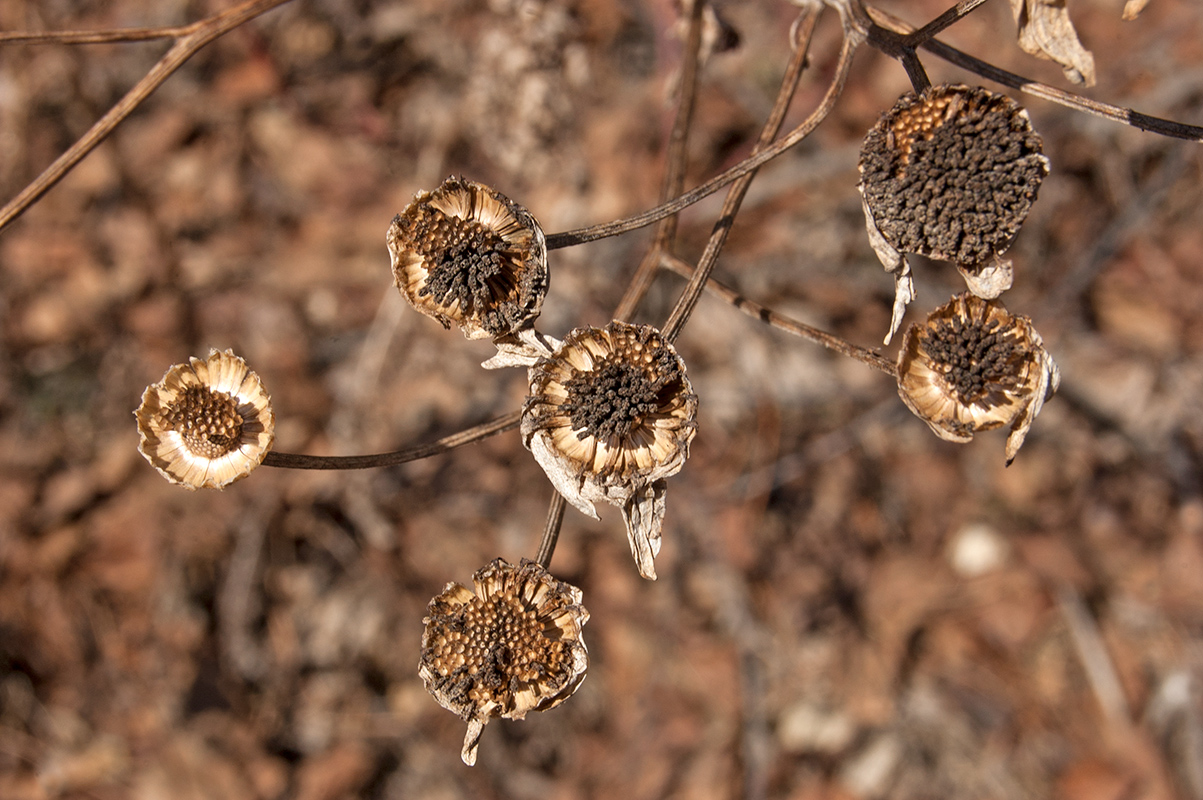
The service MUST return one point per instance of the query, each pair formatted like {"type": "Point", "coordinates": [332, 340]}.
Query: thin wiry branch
{"type": "Point", "coordinates": [198, 35]}
{"type": "Point", "coordinates": [933, 28]}
{"type": "Point", "coordinates": [697, 284]}
{"type": "Point", "coordinates": [551, 531]}
{"type": "Point", "coordinates": [117, 36]}
{"type": "Point", "coordinates": [674, 172]}
{"type": "Point", "coordinates": [1127, 116]}
{"type": "Point", "coordinates": [750, 164]}
{"type": "Point", "coordinates": [473, 434]}
{"type": "Point", "coordinates": [783, 323]}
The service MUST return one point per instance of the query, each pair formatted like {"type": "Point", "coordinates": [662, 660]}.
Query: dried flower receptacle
{"type": "Point", "coordinates": [467, 254]}
{"type": "Point", "coordinates": [610, 415]}
{"type": "Point", "coordinates": [207, 423]}
{"type": "Point", "coordinates": [510, 647]}
{"type": "Point", "coordinates": [950, 174]}
{"type": "Point", "coordinates": [972, 366]}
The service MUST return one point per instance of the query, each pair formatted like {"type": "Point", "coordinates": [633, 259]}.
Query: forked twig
{"type": "Point", "coordinates": [697, 284]}
{"type": "Point", "coordinates": [749, 164]}
{"type": "Point", "coordinates": [473, 434]}
{"type": "Point", "coordinates": [783, 323]}
{"type": "Point", "coordinates": [674, 171]}
{"type": "Point", "coordinates": [1127, 116]}
{"type": "Point", "coordinates": [186, 45]}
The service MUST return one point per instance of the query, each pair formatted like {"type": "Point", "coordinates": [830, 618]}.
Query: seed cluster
{"type": "Point", "coordinates": [486, 650]}
{"type": "Point", "coordinates": [952, 173]}
{"type": "Point", "coordinates": [468, 263]}
{"type": "Point", "coordinates": [978, 358]}
{"type": "Point", "coordinates": [634, 382]}
{"type": "Point", "coordinates": [918, 122]}
{"type": "Point", "coordinates": [208, 421]}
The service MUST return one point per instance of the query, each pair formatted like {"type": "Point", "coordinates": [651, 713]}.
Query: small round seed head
{"type": "Point", "coordinates": [972, 366]}
{"type": "Point", "coordinates": [951, 173]}
{"type": "Point", "coordinates": [512, 646]}
{"type": "Point", "coordinates": [610, 415]}
{"type": "Point", "coordinates": [467, 254]}
{"type": "Point", "coordinates": [207, 423]}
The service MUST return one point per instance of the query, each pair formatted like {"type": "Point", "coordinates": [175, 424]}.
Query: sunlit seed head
{"type": "Point", "coordinates": [467, 254]}
{"type": "Point", "coordinates": [208, 423]}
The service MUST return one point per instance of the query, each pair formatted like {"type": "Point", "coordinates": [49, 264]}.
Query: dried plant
{"type": "Point", "coordinates": [951, 173]}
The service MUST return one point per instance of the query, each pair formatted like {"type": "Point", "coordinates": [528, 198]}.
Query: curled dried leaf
{"type": "Point", "coordinates": [1046, 31]}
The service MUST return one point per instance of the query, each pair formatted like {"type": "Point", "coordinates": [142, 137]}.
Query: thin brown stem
{"type": "Point", "coordinates": [473, 434]}
{"type": "Point", "coordinates": [749, 164]}
{"type": "Point", "coordinates": [1127, 116]}
{"type": "Point", "coordinates": [116, 36]}
{"type": "Point", "coordinates": [937, 25]}
{"type": "Point", "coordinates": [783, 323]}
{"type": "Point", "coordinates": [697, 284]}
{"type": "Point", "coordinates": [551, 531]}
{"type": "Point", "coordinates": [184, 48]}
{"type": "Point", "coordinates": [674, 173]}
{"type": "Point", "coordinates": [915, 71]}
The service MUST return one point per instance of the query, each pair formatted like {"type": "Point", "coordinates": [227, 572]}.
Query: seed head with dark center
{"type": "Point", "coordinates": [952, 173]}
{"type": "Point", "coordinates": [486, 650]}
{"type": "Point", "coordinates": [977, 358]}
{"type": "Point", "coordinates": [208, 421]}
{"type": "Point", "coordinates": [615, 397]}
{"type": "Point", "coordinates": [467, 262]}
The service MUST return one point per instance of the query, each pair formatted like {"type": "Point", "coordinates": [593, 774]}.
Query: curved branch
{"type": "Point", "coordinates": [1127, 116]}
{"type": "Point", "coordinates": [199, 34]}
{"type": "Point", "coordinates": [473, 434]}
{"type": "Point", "coordinates": [697, 284]}
{"type": "Point", "coordinates": [781, 322]}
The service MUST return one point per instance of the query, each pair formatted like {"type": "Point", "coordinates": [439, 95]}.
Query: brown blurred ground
{"type": "Point", "coordinates": [847, 606]}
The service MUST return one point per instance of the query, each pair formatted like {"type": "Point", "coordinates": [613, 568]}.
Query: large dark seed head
{"type": "Point", "coordinates": [951, 173]}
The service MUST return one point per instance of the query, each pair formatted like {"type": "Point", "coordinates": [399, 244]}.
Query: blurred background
{"type": "Point", "coordinates": [847, 607]}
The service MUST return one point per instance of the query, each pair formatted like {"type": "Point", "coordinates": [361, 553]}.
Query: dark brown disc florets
{"type": "Point", "coordinates": [615, 397]}
{"type": "Point", "coordinates": [952, 173]}
{"type": "Point", "coordinates": [484, 650]}
{"type": "Point", "coordinates": [467, 262]}
{"type": "Point", "coordinates": [978, 357]}
{"type": "Point", "coordinates": [467, 254]}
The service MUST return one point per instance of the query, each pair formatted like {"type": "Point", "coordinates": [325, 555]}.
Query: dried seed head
{"type": "Point", "coordinates": [950, 174]}
{"type": "Point", "coordinates": [609, 417]}
{"type": "Point", "coordinates": [972, 367]}
{"type": "Point", "coordinates": [467, 254]}
{"type": "Point", "coordinates": [512, 646]}
{"type": "Point", "coordinates": [207, 423]}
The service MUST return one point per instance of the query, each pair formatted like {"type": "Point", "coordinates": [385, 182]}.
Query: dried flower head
{"type": "Point", "coordinates": [467, 254]}
{"type": "Point", "coordinates": [512, 646]}
{"type": "Point", "coordinates": [972, 366]}
{"type": "Point", "coordinates": [610, 415]}
{"type": "Point", "coordinates": [950, 174]}
{"type": "Point", "coordinates": [207, 423]}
